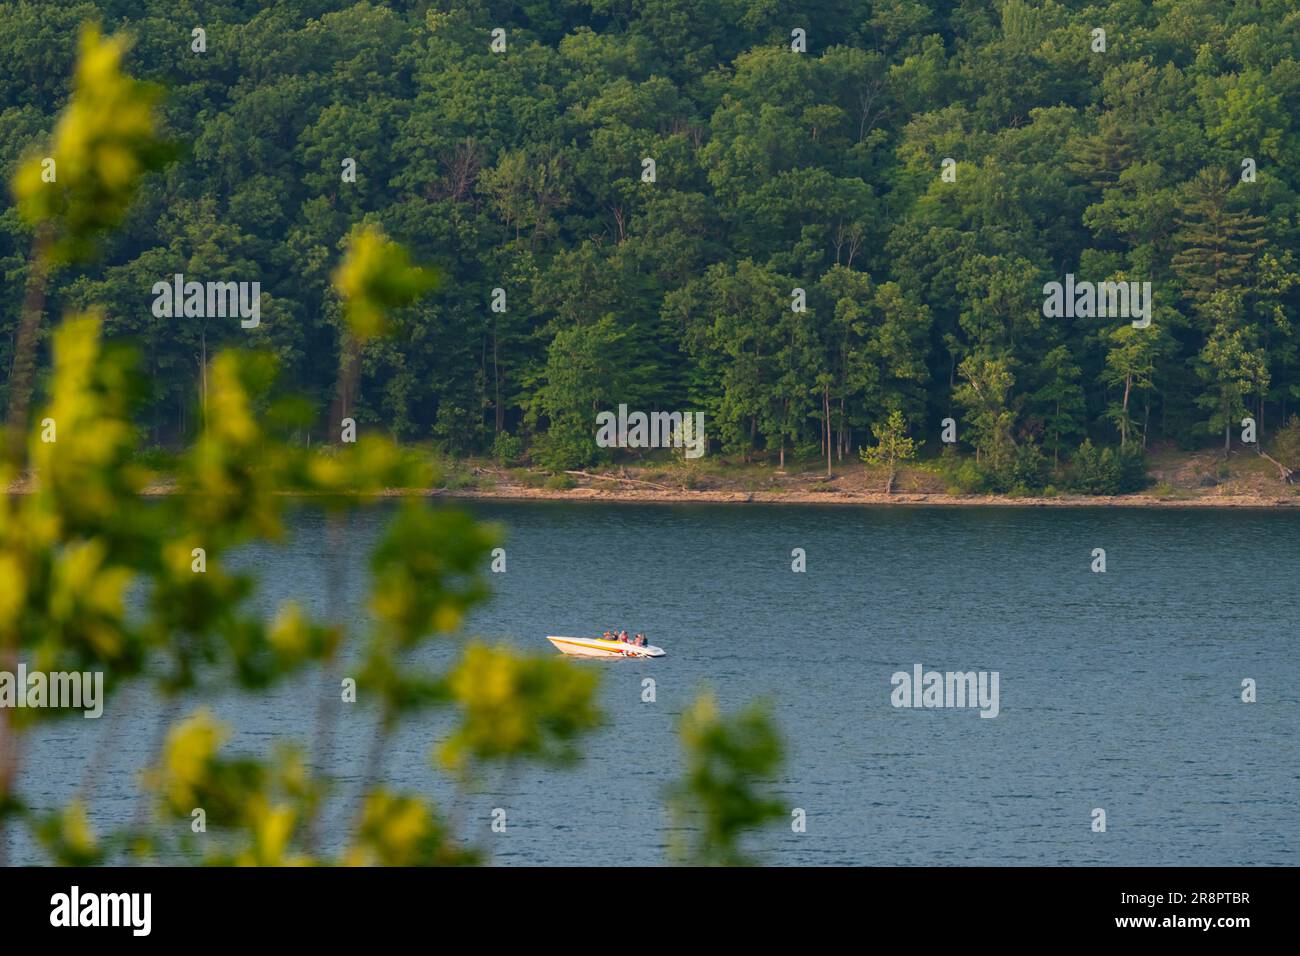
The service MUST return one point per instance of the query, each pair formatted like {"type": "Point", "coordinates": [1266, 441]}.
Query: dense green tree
{"type": "Point", "coordinates": [920, 170]}
{"type": "Point", "coordinates": [986, 393]}
{"type": "Point", "coordinates": [1232, 371]}
{"type": "Point", "coordinates": [1062, 401]}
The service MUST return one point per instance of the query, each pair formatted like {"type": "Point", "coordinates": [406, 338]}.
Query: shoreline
{"type": "Point", "coordinates": [850, 499]}
{"type": "Point", "coordinates": [524, 493]}
{"type": "Point", "coordinates": [805, 489]}
{"type": "Point", "coordinates": [902, 499]}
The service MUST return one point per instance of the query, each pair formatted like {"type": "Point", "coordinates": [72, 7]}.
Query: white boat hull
{"type": "Point", "coordinates": [596, 647]}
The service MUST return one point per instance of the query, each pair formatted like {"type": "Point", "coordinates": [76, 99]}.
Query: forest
{"type": "Point", "coordinates": [805, 220]}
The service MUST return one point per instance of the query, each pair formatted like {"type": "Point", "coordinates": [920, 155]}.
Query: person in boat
{"type": "Point", "coordinates": [622, 636]}
{"type": "Point", "coordinates": [609, 635]}
{"type": "Point", "coordinates": [640, 640]}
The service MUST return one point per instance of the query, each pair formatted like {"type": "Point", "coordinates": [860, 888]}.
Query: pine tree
{"type": "Point", "coordinates": [1233, 370]}
{"type": "Point", "coordinates": [1217, 244]}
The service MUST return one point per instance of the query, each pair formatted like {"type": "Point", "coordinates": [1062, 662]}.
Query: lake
{"type": "Point", "coordinates": [1119, 690]}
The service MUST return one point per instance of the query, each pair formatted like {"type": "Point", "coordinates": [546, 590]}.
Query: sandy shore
{"type": "Point", "coordinates": [639, 496]}
{"type": "Point", "coordinates": [511, 491]}
{"type": "Point", "coordinates": [841, 499]}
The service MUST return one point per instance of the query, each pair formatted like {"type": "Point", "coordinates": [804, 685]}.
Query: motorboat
{"type": "Point", "coordinates": [599, 647]}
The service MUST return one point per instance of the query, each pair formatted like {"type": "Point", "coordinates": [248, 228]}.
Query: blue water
{"type": "Point", "coordinates": [1119, 691]}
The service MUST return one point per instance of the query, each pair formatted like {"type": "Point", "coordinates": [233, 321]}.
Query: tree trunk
{"type": "Point", "coordinates": [1123, 424]}
{"type": "Point", "coordinates": [499, 419]}
{"type": "Point", "coordinates": [844, 432]}
{"type": "Point", "coordinates": [1285, 473]}
{"type": "Point", "coordinates": [634, 481]}
{"type": "Point", "coordinates": [826, 407]}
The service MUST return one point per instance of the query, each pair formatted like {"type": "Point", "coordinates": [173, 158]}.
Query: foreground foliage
{"type": "Point", "coordinates": [96, 578]}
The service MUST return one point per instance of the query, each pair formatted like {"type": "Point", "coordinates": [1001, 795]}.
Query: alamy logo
{"type": "Point", "coordinates": [58, 689]}
{"type": "Point", "coordinates": [208, 300]}
{"type": "Point", "coordinates": [951, 689]}
{"type": "Point", "coordinates": [103, 909]}
{"type": "Point", "coordinates": [1106, 300]}
{"type": "Point", "coordinates": [655, 430]}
